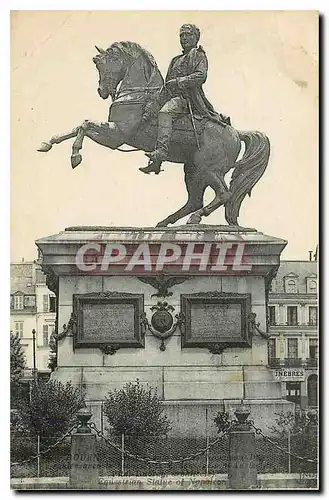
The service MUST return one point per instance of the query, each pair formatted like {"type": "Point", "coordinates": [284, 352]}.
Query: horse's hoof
{"type": "Point", "coordinates": [76, 159]}
{"type": "Point", "coordinates": [45, 146]}
{"type": "Point", "coordinates": [162, 224]}
{"type": "Point", "coordinates": [194, 219]}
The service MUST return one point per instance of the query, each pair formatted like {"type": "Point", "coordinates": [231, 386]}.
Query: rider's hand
{"type": "Point", "coordinates": [171, 86]}
{"type": "Point", "coordinates": [149, 111]}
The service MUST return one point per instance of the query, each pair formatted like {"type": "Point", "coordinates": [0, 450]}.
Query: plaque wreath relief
{"type": "Point", "coordinates": [113, 320]}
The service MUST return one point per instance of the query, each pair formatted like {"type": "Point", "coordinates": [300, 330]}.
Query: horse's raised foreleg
{"type": "Point", "coordinates": [76, 157]}
{"type": "Point", "coordinates": [57, 139]}
{"type": "Point", "coordinates": [105, 133]}
{"type": "Point", "coordinates": [195, 191]}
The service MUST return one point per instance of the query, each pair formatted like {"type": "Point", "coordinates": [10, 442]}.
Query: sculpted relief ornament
{"type": "Point", "coordinates": [172, 120]}
{"type": "Point", "coordinates": [162, 323]}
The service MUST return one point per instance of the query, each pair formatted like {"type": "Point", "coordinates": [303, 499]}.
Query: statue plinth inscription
{"type": "Point", "coordinates": [108, 318]}
{"type": "Point", "coordinates": [215, 319]}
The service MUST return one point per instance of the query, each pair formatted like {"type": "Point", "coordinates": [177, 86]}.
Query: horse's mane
{"type": "Point", "coordinates": [135, 50]}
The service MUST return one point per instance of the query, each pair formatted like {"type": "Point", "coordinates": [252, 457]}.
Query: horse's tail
{"type": "Point", "coordinates": [247, 172]}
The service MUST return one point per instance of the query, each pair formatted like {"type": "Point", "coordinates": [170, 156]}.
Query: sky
{"type": "Point", "coordinates": [263, 72]}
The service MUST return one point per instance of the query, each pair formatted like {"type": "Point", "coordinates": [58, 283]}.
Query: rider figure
{"type": "Point", "coordinates": [182, 92]}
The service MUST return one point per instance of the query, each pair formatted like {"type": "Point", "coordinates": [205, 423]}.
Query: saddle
{"type": "Point", "coordinates": [183, 126]}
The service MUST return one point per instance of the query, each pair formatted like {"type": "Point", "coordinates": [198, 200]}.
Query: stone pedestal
{"type": "Point", "coordinates": [191, 269]}
{"type": "Point", "coordinates": [242, 466]}
{"type": "Point", "coordinates": [84, 468]}
{"type": "Point", "coordinates": [242, 472]}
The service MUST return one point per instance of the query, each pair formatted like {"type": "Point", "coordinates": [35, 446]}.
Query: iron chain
{"type": "Point", "coordinates": [158, 462]}
{"type": "Point", "coordinates": [48, 449]}
{"type": "Point", "coordinates": [261, 433]}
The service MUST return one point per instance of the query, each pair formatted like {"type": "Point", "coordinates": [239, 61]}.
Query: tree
{"type": "Point", "coordinates": [17, 359]}
{"type": "Point", "coordinates": [52, 352]}
{"type": "Point", "coordinates": [303, 429]}
{"type": "Point", "coordinates": [52, 408]}
{"type": "Point", "coordinates": [136, 411]}
{"type": "Point", "coordinates": [17, 366]}
{"type": "Point", "coordinates": [297, 423]}
{"type": "Point", "coordinates": [223, 420]}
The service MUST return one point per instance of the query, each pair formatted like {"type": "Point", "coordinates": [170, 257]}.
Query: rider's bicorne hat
{"type": "Point", "coordinates": [191, 28]}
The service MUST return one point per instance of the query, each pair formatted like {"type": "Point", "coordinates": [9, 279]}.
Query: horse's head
{"type": "Point", "coordinates": [111, 64]}
{"type": "Point", "coordinates": [117, 63]}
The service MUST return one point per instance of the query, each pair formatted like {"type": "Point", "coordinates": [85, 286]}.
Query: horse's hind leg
{"type": "Point", "coordinates": [195, 191]}
{"type": "Point", "coordinates": [222, 195]}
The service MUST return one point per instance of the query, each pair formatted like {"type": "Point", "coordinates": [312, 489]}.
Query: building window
{"type": "Point", "coordinates": [272, 286]}
{"type": "Point", "coordinates": [312, 390]}
{"type": "Point", "coordinates": [45, 303]}
{"type": "Point", "coordinates": [45, 335]}
{"type": "Point", "coordinates": [313, 348]}
{"type": "Point", "coordinates": [291, 286]}
{"type": "Point", "coordinates": [293, 348]}
{"type": "Point", "coordinates": [19, 328]}
{"type": "Point", "coordinates": [29, 301]}
{"type": "Point", "coordinates": [292, 315]}
{"type": "Point", "coordinates": [312, 286]}
{"type": "Point", "coordinates": [271, 350]}
{"type": "Point", "coordinates": [40, 276]}
{"type": "Point", "coordinates": [293, 392]}
{"type": "Point", "coordinates": [18, 301]}
{"type": "Point", "coordinates": [313, 315]}
{"type": "Point", "coordinates": [49, 303]}
{"type": "Point", "coordinates": [52, 304]}
{"type": "Point", "coordinates": [271, 315]}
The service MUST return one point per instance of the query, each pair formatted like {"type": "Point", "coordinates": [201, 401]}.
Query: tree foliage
{"type": "Point", "coordinates": [297, 423]}
{"type": "Point", "coordinates": [52, 363]}
{"type": "Point", "coordinates": [223, 420]}
{"type": "Point", "coordinates": [52, 408]}
{"type": "Point", "coordinates": [136, 411]}
{"type": "Point", "coordinates": [17, 366]}
{"type": "Point", "coordinates": [302, 426]}
{"type": "Point", "coordinates": [17, 359]}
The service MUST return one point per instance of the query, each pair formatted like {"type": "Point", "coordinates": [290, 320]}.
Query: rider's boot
{"type": "Point", "coordinates": [162, 145]}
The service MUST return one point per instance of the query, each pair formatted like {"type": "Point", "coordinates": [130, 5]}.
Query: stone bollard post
{"type": "Point", "coordinates": [242, 471]}
{"type": "Point", "coordinates": [84, 466]}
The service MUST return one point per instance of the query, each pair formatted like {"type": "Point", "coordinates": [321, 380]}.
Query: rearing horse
{"type": "Point", "coordinates": [131, 66]}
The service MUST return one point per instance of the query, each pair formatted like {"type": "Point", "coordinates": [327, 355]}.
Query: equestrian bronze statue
{"type": "Point", "coordinates": [172, 120]}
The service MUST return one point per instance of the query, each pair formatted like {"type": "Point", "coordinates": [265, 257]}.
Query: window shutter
{"type": "Point", "coordinates": [45, 335]}
{"type": "Point", "coordinates": [45, 303]}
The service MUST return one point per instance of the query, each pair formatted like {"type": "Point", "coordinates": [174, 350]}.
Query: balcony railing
{"type": "Point", "coordinates": [277, 323]}
{"type": "Point", "coordinates": [312, 362]}
{"type": "Point", "coordinates": [292, 362]}
{"type": "Point", "coordinates": [274, 362]}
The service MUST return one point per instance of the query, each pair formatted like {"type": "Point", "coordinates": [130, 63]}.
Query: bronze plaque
{"type": "Point", "coordinates": [108, 318]}
{"type": "Point", "coordinates": [215, 318]}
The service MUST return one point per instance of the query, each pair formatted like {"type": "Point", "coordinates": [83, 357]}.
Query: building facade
{"type": "Point", "coordinates": [32, 307]}
{"type": "Point", "coordinates": [292, 320]}
{"type": "Point", "coordinates": [293, 325]}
